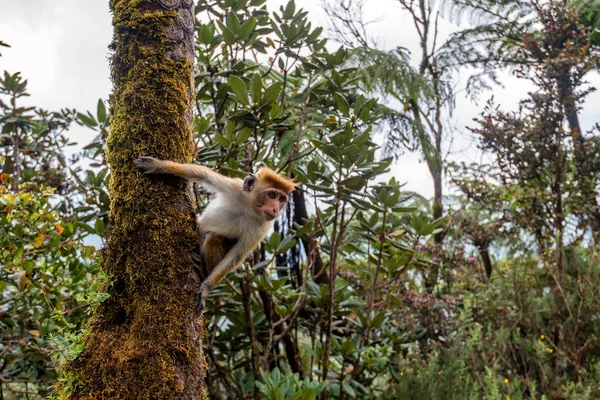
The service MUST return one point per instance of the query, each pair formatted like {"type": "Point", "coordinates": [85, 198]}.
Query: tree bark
{"type": "Point", "coordinates": [145, 340]}
{"type": "Point", "coordinates": [483, 247]}
{"type": "Point", "coordinates": [292, 351]}
{"type": "Point", "coordinates": [319, 270]}
{"type": "Point", "coordinates": [254, 345]}
{"type": "Point", "coordinates": [438, 205]}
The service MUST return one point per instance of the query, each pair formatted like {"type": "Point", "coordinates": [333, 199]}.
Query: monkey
{"type": "Point", "coordinates": [236, 220]}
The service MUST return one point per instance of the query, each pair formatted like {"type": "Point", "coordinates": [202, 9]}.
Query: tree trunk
{"type": "Point", "coordinates": [319, 270]}
{"type": "Point", "coordinates": [292, 351]}
{"type": "Point", "coordinates": [145, 340]}
{"type": "Point", "coordinates": [483, 247]}
{"type": "Point", "coordinates": [438, 205]}
{"type": "Point", "coordinates": [567, 99]}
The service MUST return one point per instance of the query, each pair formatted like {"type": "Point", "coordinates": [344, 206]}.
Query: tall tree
{"type": "Point", "coordinates": [503, 29]}
{"type": "Point", "coordinates": [426, 91]}
{"type": "Point", "coordinates": [144, 341]}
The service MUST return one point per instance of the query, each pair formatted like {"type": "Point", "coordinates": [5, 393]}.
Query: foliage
{"type": "Point", "coordinates": [94, 180]}
{"type": "Point", "coordinates": [426, 91]}
{"type": "Point", "coordinates": [506, 342]}
{"type": "Point", "coordinates": [300, 114]}
{"type": "Point", "coordinates": [537, 200]}
{"type": "Point", "coordinates": [276, 387]}
{"type": "Point", "coordinates": [45, 266]}
{"type": "Point", "coordinates": [32, 140]}
{"type": "Point", "coordinates": [589, 13]}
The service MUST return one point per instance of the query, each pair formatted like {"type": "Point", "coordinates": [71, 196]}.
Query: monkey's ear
{"type": "Point", "coordinates": [249, 182]}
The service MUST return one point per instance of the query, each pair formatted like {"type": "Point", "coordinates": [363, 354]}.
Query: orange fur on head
{"type": "Point", "coordinates": [273, 179]}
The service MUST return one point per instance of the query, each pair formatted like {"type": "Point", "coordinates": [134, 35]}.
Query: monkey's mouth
{"type": "Point", "coordinates": [269, 216]}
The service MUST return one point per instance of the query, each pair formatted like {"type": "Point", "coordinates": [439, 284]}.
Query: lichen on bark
{"type": "Point", "coordinates": [144, 341]}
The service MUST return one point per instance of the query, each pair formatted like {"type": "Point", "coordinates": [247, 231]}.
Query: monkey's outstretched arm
{"type": "Point", "coordinates": [151, 165]}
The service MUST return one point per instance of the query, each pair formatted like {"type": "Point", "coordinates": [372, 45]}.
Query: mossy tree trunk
{"type": "Point", "coordinates": [144, 342]}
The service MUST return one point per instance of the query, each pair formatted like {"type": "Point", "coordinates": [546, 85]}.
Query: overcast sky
{"type": "Point", "coordinates": [61, 48]}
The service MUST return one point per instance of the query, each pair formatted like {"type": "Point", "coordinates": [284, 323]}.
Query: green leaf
{"type": "Point", "coordinates": [229, 129]}
{"type": "Point", "coordinates": [85, 227]}
{"type": "Point", "coordinates": [262, 264]}
{"type": "Point", "coordinates": [348, 346]}
{"type": "Point", "coordinates": [342, 104]}
{"type": "Point", "coordinates": [88, 121]}
{"type": "Point", "coordinates": [309, 394]}
{"type": "Point", "coordinates": [233, 22]}
{"type": "Point", "coordinates": [392, 199]}
{"type": "Point", "coordinates": [238, 86]}
{"type": "Point", "coordinates": [247, 28]}
{"type": "Point", "coordinates": [275, 240]}
{"type": "Point", "coordinates": [206, 35]}
{"type": "Point", "coordinates": [243, 135]}
{"type": "Point", "coordinates": [378, 319]}
{"type": "Point", "coordinates": [256, 88]}
{"type": "Point", "coordinates": [289, 11]}
{"type": "Point", "coordinates": [417, 223]}
{"type": "Point", "coordinates": [286, 244]}
{"type": "Point", "coordinates": [365, 110]}
{"type": "Point", "coordinates": [271, 93]}
{"type": "Point", "coordinates": [314, 35]}
{"type": "Point", "coordinates": [348, 389]}
{"type": "Point", "coordinates": [221, 140]}
{"type": "Point", "coordinates": [99, 227]}
{"type": "Point", "coordinates": [373, 220]}
{"type": "Point", "coordinates": [228, 35]}
{"type": "Point", "coordinates": [29, 266]}
{"type": "Point", "coordinates": [354, 182]}
{"type": "Point", "coordinates": [101, 111]}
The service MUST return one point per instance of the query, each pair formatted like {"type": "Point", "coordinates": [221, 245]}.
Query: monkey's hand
{"type": "Point", "coordinates": [202, 296]}
{"type": "Point", "coordinates": [149, 165]}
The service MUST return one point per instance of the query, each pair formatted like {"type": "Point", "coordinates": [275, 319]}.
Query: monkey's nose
{"type": "Point", "coordinates": [275, 211]}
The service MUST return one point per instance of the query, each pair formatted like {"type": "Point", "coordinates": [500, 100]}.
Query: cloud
{"type": "Point", "coordinates": [61, 48]}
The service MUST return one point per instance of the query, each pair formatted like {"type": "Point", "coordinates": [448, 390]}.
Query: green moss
{"type": "Point", "coordinates": [142, 342]}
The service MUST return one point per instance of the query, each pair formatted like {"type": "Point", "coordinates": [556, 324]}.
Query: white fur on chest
{"type": "Point", "coordinates": [232, 219]}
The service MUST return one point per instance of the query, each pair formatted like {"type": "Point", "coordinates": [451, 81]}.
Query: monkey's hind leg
{"type": "Point", "coordinates": [202, 296]}
{"type": "Point", "coordinates": [214, 249]}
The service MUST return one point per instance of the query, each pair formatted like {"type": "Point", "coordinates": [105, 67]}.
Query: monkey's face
{"type": "Point", "coordinates": [270, 202]}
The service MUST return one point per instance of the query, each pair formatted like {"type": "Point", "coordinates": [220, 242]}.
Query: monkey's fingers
{"type": "Point", "coordinates": [200, 305]}
{"type": "Point", "coordinates": [147, 165]}
{"type": "Point", "coordinates": [201, 302]}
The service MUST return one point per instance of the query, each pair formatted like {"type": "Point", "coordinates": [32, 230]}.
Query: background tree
{"type": "Point", "coordinates": [534, 185]}
{"type": "Point", "coordinates": [424, 91]}
{"type": "Point", "coordinates": [567, 52]}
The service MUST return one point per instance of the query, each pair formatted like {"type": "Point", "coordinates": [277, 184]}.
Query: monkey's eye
{"type": "Point", "coordinates": [282, 199]}
{"type": "Point", "coordinates": [272, 195]}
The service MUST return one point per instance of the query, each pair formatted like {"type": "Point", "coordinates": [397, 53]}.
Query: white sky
{"type": "Point", "coordinates": [61, 47]}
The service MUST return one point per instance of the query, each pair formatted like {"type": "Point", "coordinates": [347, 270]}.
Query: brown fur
{"type": "Point", "coordinates": [273, 179]}
{"type": "Point", "coordinates": [215, 247]}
